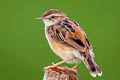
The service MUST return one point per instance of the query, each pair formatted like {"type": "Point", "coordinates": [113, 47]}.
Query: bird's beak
{"type": "Point", "coordinates": [40, 17]}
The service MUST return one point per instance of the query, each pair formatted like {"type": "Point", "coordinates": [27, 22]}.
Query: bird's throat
{"type": "Point", "coordinates": [48, 23]}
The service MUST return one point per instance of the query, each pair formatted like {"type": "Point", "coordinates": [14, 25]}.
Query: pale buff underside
{"type": "Point", "coordinates": [63, 51]}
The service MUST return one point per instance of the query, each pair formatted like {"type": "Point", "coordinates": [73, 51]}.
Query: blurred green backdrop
{"type": "Point", "coordinates": [24, 50]}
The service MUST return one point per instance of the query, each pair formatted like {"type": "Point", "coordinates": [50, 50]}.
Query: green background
{"type": "Point", "coordinates": [24, 50]}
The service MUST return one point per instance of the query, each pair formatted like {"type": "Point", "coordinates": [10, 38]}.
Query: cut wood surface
{"type": "Point", "coordinates": [60, 73]}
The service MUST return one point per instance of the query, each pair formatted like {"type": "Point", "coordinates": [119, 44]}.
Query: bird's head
{"type": "Point", "coordinates": [52, 17]}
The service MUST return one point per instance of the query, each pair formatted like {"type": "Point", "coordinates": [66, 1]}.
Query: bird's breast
{"type": "Point", "coordinates": [58, 48]}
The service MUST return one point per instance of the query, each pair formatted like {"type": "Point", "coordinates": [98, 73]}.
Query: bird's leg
{"type": "Point", "coordinates": [59, 63]}
{"type": "Point", "coordinates": [76, 66]}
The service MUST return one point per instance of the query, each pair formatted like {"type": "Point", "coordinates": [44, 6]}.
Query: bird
{"type": "Point", "coordinates": [68, 41]}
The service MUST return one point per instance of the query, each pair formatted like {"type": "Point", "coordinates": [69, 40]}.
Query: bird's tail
{"type": "Point", "coordinates": [92, 66]}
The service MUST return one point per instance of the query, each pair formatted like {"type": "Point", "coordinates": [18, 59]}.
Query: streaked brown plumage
{"type": "Point", "coordinates": [68, 40]}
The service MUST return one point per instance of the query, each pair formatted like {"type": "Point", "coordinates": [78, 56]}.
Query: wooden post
{"type": "Point", "coordinates": [60, 73]}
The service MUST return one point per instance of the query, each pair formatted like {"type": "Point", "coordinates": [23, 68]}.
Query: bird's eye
{"type": "Point", "coordinates": [53, 17]}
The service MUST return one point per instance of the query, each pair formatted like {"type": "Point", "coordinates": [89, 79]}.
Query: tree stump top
{"type": "Point", "coordinates": [60, 73]}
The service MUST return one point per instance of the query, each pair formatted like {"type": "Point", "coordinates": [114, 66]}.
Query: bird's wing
{"type": "Point", "coordinates": [70, 34]}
